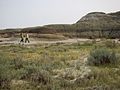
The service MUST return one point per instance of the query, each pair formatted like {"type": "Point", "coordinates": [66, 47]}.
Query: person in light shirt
{"type": "Point", "coordinates": [27, 38]}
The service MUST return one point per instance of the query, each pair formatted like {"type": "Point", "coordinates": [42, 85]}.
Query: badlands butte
{"type": "Point", "coordinates": [92, 25]}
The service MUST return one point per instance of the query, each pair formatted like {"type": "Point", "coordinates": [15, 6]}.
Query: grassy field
{"type": "Point", "coordinates": [59, 66]}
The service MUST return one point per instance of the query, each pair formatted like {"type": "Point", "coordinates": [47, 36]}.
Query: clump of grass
{"type": "Point", "coordinates": [102, 56]}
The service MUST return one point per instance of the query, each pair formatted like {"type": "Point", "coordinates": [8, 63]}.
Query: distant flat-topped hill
{"type": "Point", "coordinates": [94, 24]}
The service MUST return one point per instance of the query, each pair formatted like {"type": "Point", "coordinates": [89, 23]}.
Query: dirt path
{"type": "Point", "coordinates": [4, 41]}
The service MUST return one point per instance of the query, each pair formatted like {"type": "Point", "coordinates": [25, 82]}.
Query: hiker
{"type": "Point", "coordinates": [22, 38]}
{"type": "Point", "coordinates": [27, 38]}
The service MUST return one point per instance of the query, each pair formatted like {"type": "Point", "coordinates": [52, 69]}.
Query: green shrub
{"type": "Point", "coordinates": [102, 56]}
{"type": "Point", "coordinates": [110, 44]}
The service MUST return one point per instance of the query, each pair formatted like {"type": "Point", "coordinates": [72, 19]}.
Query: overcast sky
{"type": "Point", "coordinates": [28, 13]}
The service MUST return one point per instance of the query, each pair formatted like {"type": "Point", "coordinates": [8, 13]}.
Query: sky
{"type": "Point", "coordinates": [30, 13]}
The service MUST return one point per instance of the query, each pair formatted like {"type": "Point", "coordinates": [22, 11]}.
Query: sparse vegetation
{"type": "Point", "coordinates": [59, 66]}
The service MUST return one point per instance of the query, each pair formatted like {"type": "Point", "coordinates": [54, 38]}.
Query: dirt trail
{"type": "Point", "coordinates": [4, 41]}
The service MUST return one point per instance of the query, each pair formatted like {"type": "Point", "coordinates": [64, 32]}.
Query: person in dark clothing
{"type": "Point", "coordinates": [22, 38]}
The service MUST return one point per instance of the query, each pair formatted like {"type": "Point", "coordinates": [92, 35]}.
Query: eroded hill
{"type": "Point", "coordinates": [92, 25]}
